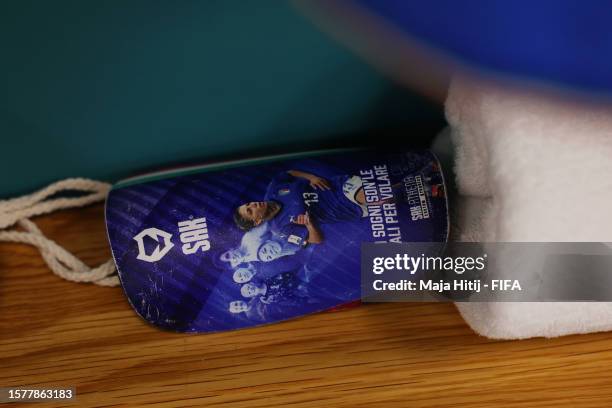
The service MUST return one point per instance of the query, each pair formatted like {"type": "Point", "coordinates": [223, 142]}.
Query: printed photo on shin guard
{"type": "Point", "coordinates": [233, 247]}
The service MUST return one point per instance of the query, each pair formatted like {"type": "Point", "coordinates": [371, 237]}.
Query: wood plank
{"type": "Point", "coordinates": [54, 333]}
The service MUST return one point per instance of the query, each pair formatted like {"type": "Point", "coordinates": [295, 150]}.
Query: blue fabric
{"type": "Point", "coordinates": [565, 42]}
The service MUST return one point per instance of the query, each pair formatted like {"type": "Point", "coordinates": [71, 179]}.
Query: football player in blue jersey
{"type": "Point", "coordinates": [295, 198]}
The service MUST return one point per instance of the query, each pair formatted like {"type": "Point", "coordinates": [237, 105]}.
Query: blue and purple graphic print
{"type": "Point", "coordinates": [240, 244]}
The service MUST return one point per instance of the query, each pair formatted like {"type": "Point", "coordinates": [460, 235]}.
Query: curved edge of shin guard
{"type": "Point", "coordinates": [242, 244]}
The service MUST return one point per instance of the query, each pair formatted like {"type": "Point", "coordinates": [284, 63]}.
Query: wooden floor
{"type": "Point", "coordinates": [58, 333]}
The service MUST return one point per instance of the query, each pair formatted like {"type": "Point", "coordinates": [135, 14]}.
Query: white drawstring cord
{"type": "Point", "coordinates": [17, 211]}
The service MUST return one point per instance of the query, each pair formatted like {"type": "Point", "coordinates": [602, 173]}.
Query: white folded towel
{"type": "Point", "coordinates": [530, 167]}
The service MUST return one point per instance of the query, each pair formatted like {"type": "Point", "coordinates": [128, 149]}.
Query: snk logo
{"type": "Point", "coordinates": [193, 236]}
{"type": "Point", "coordinates": [159, 251]}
